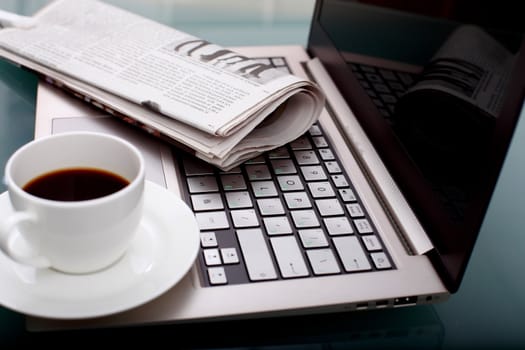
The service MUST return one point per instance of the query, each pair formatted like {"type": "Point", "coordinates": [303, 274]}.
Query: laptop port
{"type": "Point", "coordinates": [405, 301]}
{"type": "Point", "coordinates": [382, 303]}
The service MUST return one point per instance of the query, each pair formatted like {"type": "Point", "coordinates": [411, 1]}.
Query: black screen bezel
{"type": "Point", "coordinates": [453, 242]}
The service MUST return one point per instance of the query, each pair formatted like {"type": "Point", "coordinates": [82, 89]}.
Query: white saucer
{"type": "Point", "coordinates": [163, 251]}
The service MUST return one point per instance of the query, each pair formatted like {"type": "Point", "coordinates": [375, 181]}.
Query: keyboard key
{"type": "Point", "coordinates": [320, 141]}
{"type": "Point", "coordinates": [406, 78]}
{"type": "Point", "coordinates": [323, 261]}
{"type": "Point", "coordinates": [229, 255]}
{"type": "Point", "coordinates": [208, 239]}
{"type": "Point", "coordinates": [313, 173]}
{"type": "Point", "coordinates": [281, 152]}
{"type": "Point", "coordinates": [321, 189]}
{"type": "Point", "coordinates": [258, 172]}
{"type": "Point", "coordinates": [374, 78]}
{"type": "Point", "coordinates": [380, 261]}
{"type": "Point", "coordinates": [387, 74]}
{"type": "Point", "coordinates": [347, 195]}
{"type": "Point", "coordinates": [211, 256]}
{"type": "Point", "coordinates": [378, 102]}
{"type": "Point", "coordinates": [368, 69]}
{"type": "Point", "coordinates": [339, 181]}
{"type": "Point", "coordinates": [283, 167]}
{"type": "Point", "coordinates": [315, 130]}
{"type": "Point", "coordinates": [306, 157]}
{"type": "Point", "coordinates": [289, 257]}
{"type": "Point", "coordinates": [351, 254]}
{"type": "Point", "coordinates": [382, 88]}
{"type": "Point", "coordinates": [217, 275]}
{"type": "Point", "coordinates": [297, 200]}
{"type": "Point", "coordinates": [332, 167]}
{"type": "Point", "coordinates": [304, 218]}
{"type": "Point", "coordinates": [200, 184]}
{"type": "Point", "coordinates": [355, 210]}
{"type": "Point", "coordinates": [369, 91]}
{"type": "Point", "coordinates": [212, 220]}
{"type": "Point", "coordinates": [363, 226]}
{"type": "Point", "coordinates": [388, 98]}
{"type": "Point", "coordinates": [244, 218]}
{"type": "Point", "coordinates": [329, 207]}
{"type": "Point", "coordinates": [277, 225]}
{"type": "Point", "coordinates": [238, 200]}
{"type": "Point", "coordinates": [270, 206]}
{"type": "Point", "coordinates": [396, 86]}
{"type": "Point", "coordinates": [256, 255]}
{"type": "Point", "coordinates": [264, 189]}
{"type": "Point", "coordinates": [207, 201]}
{"type": "Point", "coordinates": [371, 243]}
{"type": "Point", "coordinates": [338, 226]}
{"type": "Point", "coordinates": [290, 183]}
{"type": "Point", "coordinates": [384, 112]}
{"type": "Point", "coordinates": [232, 182]}
{"type": "Point", "coordinates": [313, 238]}
{"type": "Point", "coordinates": [326, 154]}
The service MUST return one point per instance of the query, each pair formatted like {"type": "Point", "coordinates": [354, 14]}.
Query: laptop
{"type": "Point", "coordinates": [347, 217]}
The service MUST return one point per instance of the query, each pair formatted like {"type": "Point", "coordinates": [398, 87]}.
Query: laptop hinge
{"type": "Point", "coordinates": [407, 225]}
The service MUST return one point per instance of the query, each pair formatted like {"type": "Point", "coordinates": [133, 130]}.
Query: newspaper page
{"type": "Point", "coordinates": [471, 66]}
{"type": "Point", "coordinates": [447, 119]}
{"type": "Point", "coordinates": [199, 94]}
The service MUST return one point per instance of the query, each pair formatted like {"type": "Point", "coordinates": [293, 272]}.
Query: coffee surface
{"type": "Point", "coordinates": [75, 184]}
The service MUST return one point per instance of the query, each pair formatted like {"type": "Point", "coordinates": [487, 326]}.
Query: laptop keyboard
{"type": "Point", "coordinates": [384, 86]}
{"type": "Point", "coordinates": [290, 213]}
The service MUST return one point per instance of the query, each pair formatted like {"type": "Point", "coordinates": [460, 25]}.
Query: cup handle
{"type": "Point", "coordinates": [8, 233]}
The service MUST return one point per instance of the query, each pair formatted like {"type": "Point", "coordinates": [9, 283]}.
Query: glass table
{"type": "Point", "coordinates": [487, 312]}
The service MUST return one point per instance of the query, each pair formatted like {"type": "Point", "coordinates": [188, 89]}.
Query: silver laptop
{"type": "Point", "coordinates": [350, 216]}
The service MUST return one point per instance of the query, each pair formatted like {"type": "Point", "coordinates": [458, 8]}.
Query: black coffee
{"type": "Point", "coordinates": [75, 184]}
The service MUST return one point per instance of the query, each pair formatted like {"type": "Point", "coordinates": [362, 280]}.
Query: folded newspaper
{"type": "Point", "coordinates": [220, 105]}
{"type": "Point", "coordinates": [449, 114]}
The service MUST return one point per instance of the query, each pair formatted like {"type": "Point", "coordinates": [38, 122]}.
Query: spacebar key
{"type": "Point", "coordinates": [256, 255]}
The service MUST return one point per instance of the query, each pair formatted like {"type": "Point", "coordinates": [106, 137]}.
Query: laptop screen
{"type": "Point", "coordinates": [444, 128]}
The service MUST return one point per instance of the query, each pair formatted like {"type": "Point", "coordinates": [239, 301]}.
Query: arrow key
{"type": "Point", "coordinates": [217, 275]}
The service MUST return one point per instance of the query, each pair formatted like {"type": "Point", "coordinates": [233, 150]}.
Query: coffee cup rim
{"type": "Point", "coordinates": [138, 180]}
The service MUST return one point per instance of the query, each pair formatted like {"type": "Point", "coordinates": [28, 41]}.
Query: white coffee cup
{"type": "Point", "coordinates": [79, 236]}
